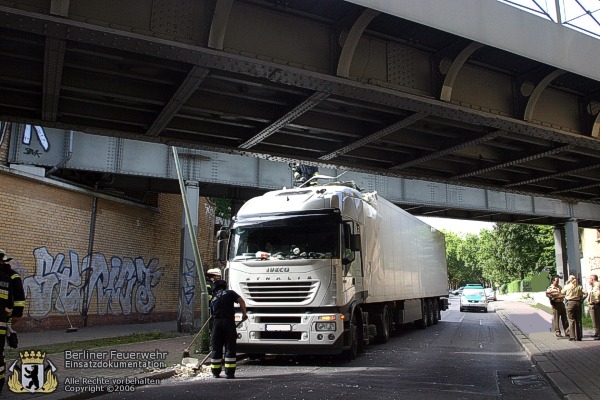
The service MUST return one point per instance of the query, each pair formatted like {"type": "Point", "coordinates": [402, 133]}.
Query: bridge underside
{"type": "Point", "coordinates": [330, 83]}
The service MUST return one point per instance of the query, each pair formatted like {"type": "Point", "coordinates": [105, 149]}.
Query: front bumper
{"type": "Point", "coordinates": [468, 305]}
{"type": "Point", "coordinates": [289, 334]}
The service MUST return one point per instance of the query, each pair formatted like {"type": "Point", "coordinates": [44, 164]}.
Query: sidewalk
{"type": "Point", "coordinates": [570, 367]}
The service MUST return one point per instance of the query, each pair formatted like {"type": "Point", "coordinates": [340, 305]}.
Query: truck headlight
{"type": "Point", "coordinates": [325, 326]}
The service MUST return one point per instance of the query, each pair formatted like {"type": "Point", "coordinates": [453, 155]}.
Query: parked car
{"type": "Point", "coordinates": [490, 293]}
{"type": "Point", "coordinates": [454, 292]}
{"type": "Point", "coordinates": [473, 299]}
{"type": "Point", "coordinates": [460, 290]}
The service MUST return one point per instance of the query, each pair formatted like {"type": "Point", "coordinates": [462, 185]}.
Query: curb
{"type": "Point", "coordinates": [561, 384]}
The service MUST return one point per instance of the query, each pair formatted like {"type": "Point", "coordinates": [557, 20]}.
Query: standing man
{"type": "Point", "coordinates": [558, 307]}
{"type": "Point", "coordinates": [5, 313]}
{"type": "Point", "coordinates": [16, 284]}
{"type": "Point", "coordinates": [212, 275]}
{"type": "Point", "coordinates": [574, 294]}
{"type": "Point", "coordinates": [594, 304]}
{"type": "Point", "coordinates": [224, 331]}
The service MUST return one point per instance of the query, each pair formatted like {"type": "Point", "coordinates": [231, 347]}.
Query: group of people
{"type": "Point", "coordinates": [224, 330]}
{"type": "Point", "coordinates": [12, 303]}
{"type": "Point", "coordinates": [567, 306]}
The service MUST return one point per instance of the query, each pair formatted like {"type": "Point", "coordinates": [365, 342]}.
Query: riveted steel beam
{"type": "Point", "coordinates": [306, 105]}
{"type": "Point", "coordinates": [377, 135]}
{"type": "Point", "coordinates": [54, 57]}
{"type": "Point", "coordinates": [189, 85]}
{"type": "Point", "coordinates": [514, 162]}
{"type": "Point", "coordinates": [450, 150]}
{"type": "Point", "coordinates": [552, 176]}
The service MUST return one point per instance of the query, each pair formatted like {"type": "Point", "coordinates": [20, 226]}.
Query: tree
{"type": "Point", "coordinates": [462, 265]}
{"type": "Point", "coordinates": [518, 250]}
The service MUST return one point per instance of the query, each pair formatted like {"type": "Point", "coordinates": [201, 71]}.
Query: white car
{"type": "Point", "coordinates": [473, 299]}
{"type": "Point", "coordinates": [490, 293]}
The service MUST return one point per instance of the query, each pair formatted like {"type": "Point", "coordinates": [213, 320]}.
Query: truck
{"type": "Point", "coordinates": [328, 269]}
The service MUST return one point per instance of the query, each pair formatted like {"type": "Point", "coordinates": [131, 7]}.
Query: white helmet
{"type": "Point", "coordinates": [214, 271]}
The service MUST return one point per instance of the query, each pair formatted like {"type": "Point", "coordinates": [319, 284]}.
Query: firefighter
{"type": "Point", "coordinates": [5, 314]}
{"type": "Point", "coordinates": [224, 332]}
{"type": "Point", "coordinates": [212, 275]}
{"type": "Point", "coordinates": [16, 284]}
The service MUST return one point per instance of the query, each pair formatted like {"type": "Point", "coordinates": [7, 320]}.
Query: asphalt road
{"type": "Point", "coordinates": [465, 356]}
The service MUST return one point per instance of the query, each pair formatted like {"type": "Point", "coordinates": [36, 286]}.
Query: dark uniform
{"type": "Point", "coordinates": [16, 284]}
{"type": "Point", "coordinates": [5, 314]}
{"type": "Point", "coordinates": [224, 332]}
{"type": "Point", "coordinates": [574, 295]}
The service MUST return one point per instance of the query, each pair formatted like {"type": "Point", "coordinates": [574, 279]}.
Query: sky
{"type": "Point", "coordinates": [458, 226]}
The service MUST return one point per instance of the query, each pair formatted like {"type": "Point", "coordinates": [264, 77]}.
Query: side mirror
{"type": "Point", "coordinates": [222, 249]}
{"type": "Point", "coordinates": [355, 242]}
{"type": "Point", "coordinates": [222, 233]}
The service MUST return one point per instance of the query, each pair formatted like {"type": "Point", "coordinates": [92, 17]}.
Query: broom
{"type": "Point", "coordinates": [186, 352]}
{"type": "Point", "coordinates": [71, 328]}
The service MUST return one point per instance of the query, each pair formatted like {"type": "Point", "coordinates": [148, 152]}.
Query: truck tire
{"type": "Point", "coordinates": [383, 325]}
{"type": "Point", "coordinates": [350, 354]}
{"type": "Point", "coordinates": [429, 312]}
{"type": "Point", "coordinates": [422, 323]}
{"type": "Point", "coordinates": [436, 311]}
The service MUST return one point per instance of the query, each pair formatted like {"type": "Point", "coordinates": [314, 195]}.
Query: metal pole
{"type": "Point", "coordinates": [194, 240]}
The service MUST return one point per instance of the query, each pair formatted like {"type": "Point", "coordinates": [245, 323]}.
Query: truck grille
{"type": "Point", "coordinates": [280, 291]}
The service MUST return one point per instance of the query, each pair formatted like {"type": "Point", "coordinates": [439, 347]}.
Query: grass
{"type": "Point", "coordinates": [90, 344]}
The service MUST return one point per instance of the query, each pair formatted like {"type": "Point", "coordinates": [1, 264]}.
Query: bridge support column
{"type": "Point", "coordinates": [573, 254]}
{"type": "Point", "coordinates": [560, 251]}
{"type": "Point", "coordinates": [187, 272]}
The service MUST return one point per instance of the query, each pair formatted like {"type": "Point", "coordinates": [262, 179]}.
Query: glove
{"type": "Point", "coordinates": [12, 339]}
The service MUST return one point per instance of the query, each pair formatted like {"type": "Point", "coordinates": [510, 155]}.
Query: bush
{"type": "Point", "coordinates": [513, 287]}
{"type": "Point", "coordinates": [526, 285]}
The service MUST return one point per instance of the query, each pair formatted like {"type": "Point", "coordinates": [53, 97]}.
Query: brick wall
{"type": "Point", "coordinates": [134, 274]}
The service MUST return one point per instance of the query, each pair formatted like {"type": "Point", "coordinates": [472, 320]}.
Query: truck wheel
{"type": "Point", "coordinates": [351, 353]}
{"type": "Point", "coordinates": [382, 323]}
{"type": "Point", "coordinates": [436, 311]}
{"type": "Point", "coordinates": [422, 323]}
{"type": "Point", "coordinates": [429, 312]}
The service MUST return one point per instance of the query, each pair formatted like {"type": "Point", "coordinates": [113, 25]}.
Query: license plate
{"type": "Point", "coordinates": [281, 328]}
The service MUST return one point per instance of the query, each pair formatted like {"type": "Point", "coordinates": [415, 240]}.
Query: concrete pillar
{"type": "Point", "coordinates": [560, 251]}
{"type": "Point", "coordinates": [573, 254]}
{"type": "Point", "coordinates": [187, 272]}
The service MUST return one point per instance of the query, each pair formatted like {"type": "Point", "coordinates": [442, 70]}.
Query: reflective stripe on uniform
{"type": "Point", "coordinates": [19, 303]}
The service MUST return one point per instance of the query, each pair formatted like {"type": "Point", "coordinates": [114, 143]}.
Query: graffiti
{"type": "Point", "coordinates": [185, 308]}
{"type": "Point", "coordinates": [188, 288]}
{"type": "Point", "coordinates": [60, 284]}
{"type": "Point", "coordinates": [32, 152]}
{"type": "Point", "coordinates": [41, 135]}
{"type": "Point", "coordinates": [594, 263]}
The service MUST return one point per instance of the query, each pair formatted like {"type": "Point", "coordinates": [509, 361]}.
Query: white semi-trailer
{"type": "Point", "coordinates": [327, 269]}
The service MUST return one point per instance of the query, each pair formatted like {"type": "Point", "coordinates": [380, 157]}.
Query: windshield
{"type": "Point", "coordinates": [288, 238]}
{"type": "Point", "coordinates": [473, 292]}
